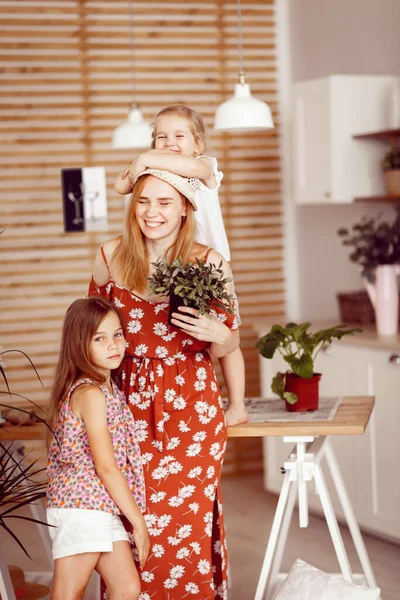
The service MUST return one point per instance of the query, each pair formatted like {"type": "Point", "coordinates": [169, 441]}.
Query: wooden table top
{"type": "Point", "coordinates": [22, 432]}
{"type": "Point", "coordinates": [351, 418]}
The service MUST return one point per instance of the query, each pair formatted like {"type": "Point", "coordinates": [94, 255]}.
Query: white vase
{"type": "Point", "coordinates": [384, 296]}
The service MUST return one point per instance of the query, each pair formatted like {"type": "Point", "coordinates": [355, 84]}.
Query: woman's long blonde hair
{"type": "Point", "coordinates": [130, 256]}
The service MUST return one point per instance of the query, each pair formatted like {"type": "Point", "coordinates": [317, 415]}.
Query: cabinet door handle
{"type": "Point", "coordinates": [394, 359]}
{"type": "Point", "coordinates": [327, 195]}
{"type": "Point", "coordinates": [326, 349]}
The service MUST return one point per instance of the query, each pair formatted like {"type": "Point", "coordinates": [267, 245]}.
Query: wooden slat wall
{"type": "Point", "coordinates": [64, 85]}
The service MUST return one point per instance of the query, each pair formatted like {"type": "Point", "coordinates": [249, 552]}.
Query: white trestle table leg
{"type": "Point", "coordinates": [349, 514]}
{"type": "Point", "coordinates": [37, 509]}
{"type": "Point", "coordinates": [273, 537]}
{"type": "Point", "coordinates": [332, 524]}
{"type": "Point", "coordinates": [302, 466]}
{"type": "Point", "coordinates": [281, 543]}
{"type": "Point", "coordinates": [302, 485]}
{"type": "Point", "coordinates": [6, 588]}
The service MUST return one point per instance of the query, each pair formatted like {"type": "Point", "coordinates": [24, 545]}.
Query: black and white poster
{"type": "Point", "coordinates": [84, 199]}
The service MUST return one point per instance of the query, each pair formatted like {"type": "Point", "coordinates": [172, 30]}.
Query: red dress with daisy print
{"type": "Point", "coordinates": [172, 391]}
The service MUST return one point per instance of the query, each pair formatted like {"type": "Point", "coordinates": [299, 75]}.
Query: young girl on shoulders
{"type": "Point", "coordinates": [178, 142]}
{"type": "Point", "coordinates": [94, 467]}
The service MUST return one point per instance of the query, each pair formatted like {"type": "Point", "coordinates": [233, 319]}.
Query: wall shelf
{"type": "Point", "coordinates": [388, 136]}
{"type": "Point", "coordinates": [391, 199]}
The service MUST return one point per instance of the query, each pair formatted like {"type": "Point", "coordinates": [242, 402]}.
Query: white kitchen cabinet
{"type": "Point", "coordinates": [368, 463]}
{"type": "Point", "coordinates": [329, 166]}
{"type": "Point", "coordinates": [381, 506]}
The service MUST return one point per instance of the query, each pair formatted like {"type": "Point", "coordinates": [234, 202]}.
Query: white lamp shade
{"type": "Point", "coordinates": [243, 112]}
{"type": "Point", "coordinates": [135, 132]}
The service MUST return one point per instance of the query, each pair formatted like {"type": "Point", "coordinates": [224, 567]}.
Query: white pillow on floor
{"type": "Point", "coordinates": [305, 582]}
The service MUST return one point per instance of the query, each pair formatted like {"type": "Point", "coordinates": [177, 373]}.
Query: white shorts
{"type": "Point", "coordinates": [77, 530]}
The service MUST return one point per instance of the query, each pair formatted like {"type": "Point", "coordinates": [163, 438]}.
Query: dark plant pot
{"type": "Point", "coordinates": [306, 391]}
{"type": "Point", "coordinates": [174, 302]}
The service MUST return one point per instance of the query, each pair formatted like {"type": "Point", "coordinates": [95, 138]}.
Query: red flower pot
{"type": "Point", "coordinates": [306, 391]}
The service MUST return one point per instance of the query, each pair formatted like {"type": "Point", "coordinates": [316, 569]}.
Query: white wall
{"type": "Point", "coordinates": [336, 37]}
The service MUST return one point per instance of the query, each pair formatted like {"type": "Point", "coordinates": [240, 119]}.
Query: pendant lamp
{"type": "Point", "coordinates": [135, 132]}
{"type": "Point", "coordinates": [243, 112]}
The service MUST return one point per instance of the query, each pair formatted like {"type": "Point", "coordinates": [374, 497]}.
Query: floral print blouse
{"type": "Point", "coordinates": [73, 480]}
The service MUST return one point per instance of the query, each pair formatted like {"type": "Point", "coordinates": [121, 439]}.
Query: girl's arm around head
{"type": "Point", "coordinates": [90, 405]}
{"type": "Point", "coordinates": [186, 166]}
{"type": "Point", "coordinates": [123, 184]}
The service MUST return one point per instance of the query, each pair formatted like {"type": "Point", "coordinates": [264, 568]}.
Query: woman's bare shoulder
{"type": "Point", "coordinates": [102, 262]}
{"type": "Point", "coordinates": [215, 257]}
{"type": "Point", "coordinates": [110, 246]}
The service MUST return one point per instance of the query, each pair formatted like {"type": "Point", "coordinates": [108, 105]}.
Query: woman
{"type": "Point", "coordinates": [171, 388]}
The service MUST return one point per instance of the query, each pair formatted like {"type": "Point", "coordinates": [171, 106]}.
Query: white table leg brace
{"type": "Point", "coordinates": [6, 588]}
{"type": "Point", "coordinates": [302, 466]}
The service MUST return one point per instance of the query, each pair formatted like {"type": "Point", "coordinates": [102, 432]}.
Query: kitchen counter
{"type": "Point", "coordinates": [368, 338]}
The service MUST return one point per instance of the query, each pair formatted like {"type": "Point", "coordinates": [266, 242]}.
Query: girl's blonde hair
{"type": "Point", "coordinates": [130, 256]}
{"type": "Point", "coordinates": [195, 121]}
{"type": "Point", "coordinates": [81, 322]}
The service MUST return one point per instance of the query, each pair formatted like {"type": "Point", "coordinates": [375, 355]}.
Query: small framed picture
{"type": "Point", "coordinates": [84, 196]}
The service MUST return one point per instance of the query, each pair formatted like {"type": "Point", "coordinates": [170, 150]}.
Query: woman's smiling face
{"type": "Point", "coordinates": [159, 210]}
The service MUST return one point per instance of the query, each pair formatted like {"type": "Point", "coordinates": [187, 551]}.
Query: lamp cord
{"type": "Point", "coordinates": [132, 51]}
{"type": "Point", "coordinates": [240, 38]}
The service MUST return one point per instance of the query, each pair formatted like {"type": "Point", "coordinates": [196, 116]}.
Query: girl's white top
{"type": "Point", "coordinates": [210, 226]}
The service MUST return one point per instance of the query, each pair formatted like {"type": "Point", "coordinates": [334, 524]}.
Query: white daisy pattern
{"type": "Point", "coordinates": [136, 313]}
{"type": "Point", "coordinates": [160, 329]}
{"type": "Point", "coordinates": [140, 350]}
{"type": "Point", "coordinates": [171, 388]}
{"type": "Point", "coordinates": [134, 326]}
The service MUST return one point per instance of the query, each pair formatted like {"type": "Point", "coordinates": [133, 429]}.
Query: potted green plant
{"type": "Point", "coordinates": [391, 169]}
{"type": "Point", "coordinates": [373, 242]}
{"type": "Point", "coordinates": [375, 248]}
{"type": "Point", "coordinates": [194, 284]}
{"type": "Point", "coordinates": [299, 348]}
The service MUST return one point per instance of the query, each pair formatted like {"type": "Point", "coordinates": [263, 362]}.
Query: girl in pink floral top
{"type": "Point", "coordinates": [94, 467]}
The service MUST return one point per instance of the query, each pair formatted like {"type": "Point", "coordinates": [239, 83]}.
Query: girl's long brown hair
{"type": "Point", "coordinates": [80, 325]}
{"type": "Point", "coordinates": [130, 256]}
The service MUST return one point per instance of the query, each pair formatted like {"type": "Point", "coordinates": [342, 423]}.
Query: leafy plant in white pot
{"type": "Point", "coordinates": [376, 249]}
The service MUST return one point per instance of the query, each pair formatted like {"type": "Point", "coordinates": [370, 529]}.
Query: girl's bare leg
{"type": "Point", "coordinates": [72, 574]}
{"type": "Point", "coordinates": [118, 571]}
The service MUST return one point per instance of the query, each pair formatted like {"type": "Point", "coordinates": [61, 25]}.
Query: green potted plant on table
{"type": "Point", "coordinates": [391, 169]}
{"type": "Point", "coordinates": [299, 348]}
{"type": "Point", "coordinates": [197, 285]}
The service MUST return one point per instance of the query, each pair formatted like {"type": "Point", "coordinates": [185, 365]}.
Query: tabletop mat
{"type": "Point", "coordinates": [270, 409]}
